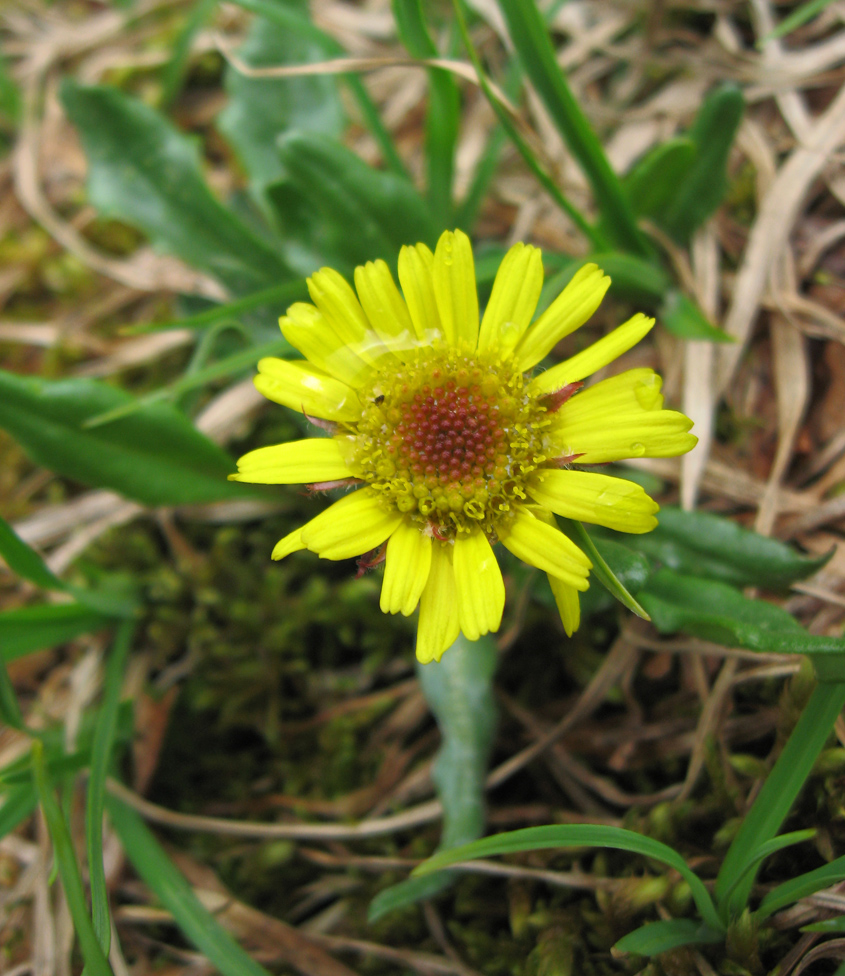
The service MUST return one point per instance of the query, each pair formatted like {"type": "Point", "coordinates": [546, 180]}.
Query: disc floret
{"type": "Point", "coordinates": [451, 440]}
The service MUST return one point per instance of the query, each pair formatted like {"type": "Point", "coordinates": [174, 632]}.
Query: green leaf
{"type": "Point", "coordinates": [683, 318]}
{"type": "Point", "coordinates": [459, 690]}
{"type": "Point", "coordinates": [101, 755]}
{"type": "Point", "coordinates": [637, 569]}
{"type": "Point", "coordinates": [335, 203]}
{"type": "Point", "coordinates": [653, 180]}
{"type": "Point", "coordinates": [706, 182]}
{"type": "Point", "coordinates": [10, 96]}
{"type": "Point", "coordinates": [802, 886]}
{"type": "Point", "coordinates": [777, 794]}
{"type": "Point", "coordinates": [443, 113]}
{"type": "Point", "coordinates": [143, 171]}
{"type": "Point", "coordinates": [175, 69]}
{"type": "Point", "coordinates": [717, 612]}
{"type": "Point", "coordinates": [199, 926]}
{"type": "Point", "coordinates": [27, 629]}
{"type": "Point", "coordinates": [704, 544]}
{"type": "Point", "coordinates": [95, 961]}
{"type": "Point", "coordinates": [24, 561]}
{"type": "Point", "coordinates": [635, 279]}
{"type": "Point", "coordinates": [798, 17]}
{"type": "Point", "coordinates": [579, 835]}
{"type": "Point", "coordinates": [260, 109]}
{"type": "Point", "coordinates": [672, 933]}
{"type": "Point", "coordinates": [155, 456]}
{"type": "Point", "coordinates": [531, 39]}
{"type": "Point", "coordinates": [18, 804]}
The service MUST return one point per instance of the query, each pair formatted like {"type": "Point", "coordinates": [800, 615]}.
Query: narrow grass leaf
{"type": "Point", "coordinates": [531, 39]}
{"type": "Point", "coordinates": [18, 804]}
{"type": "Point", "coordinates": [258, 109]}
{"type": "Point", "coordinates": [329, 190]}
{"type": "Point", "coordinates": [594, 235]}
{"type": "Point", "coordinates": [602, 571]}
{"type": "Point", "coordinates": [798, 17]}
{"type": "Point", "coordinates": [683, 318]}
{"type": "Point", "coordinates": [704, 544]}
{"type": "Point", "coordinates": [129, 146]}
{"type": "Point", "coordinates": [10, 96]}
{"type": "Point", "coordinates": [702, 191]}
{"type": "Point", "coordinates": [10, 710]}
{"type": "Point", "coordinates": [633, 278]}
{"type": "Point", "coordinates": [155, 456]}
{"type": "Point", "coordinates": [772, 847]}
{"type": "Point", "coordinates": [95, 960]}
{"type": "Point", "coordinates": [579, 835]}
{"type": "Point", "coordinates": [35, 628]}
{"type": "Point", "coordinates": [800, 887]}
{"type": "Point", "coordinates": [101, 756]}
{"type": "Point", "coordinates": [171, 888]}
{"type": "Point", "coordinates": [174, 71]}
{"type": "Point", "coordinates": [443, 111]}
{"type": "Point", "coordinates": [459, 691]}
{"type": "Point", "coordinates": [24, 560]}
{"type": "Point", "coordinates": [672, 933]}
{"type": "Point", "coordinates": [774, 801]}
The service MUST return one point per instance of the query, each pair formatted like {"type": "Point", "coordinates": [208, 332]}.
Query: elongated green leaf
{"type": "Point", "coordinates": [654, 179]}
{"type": "Point", "coordinates": [293, 21]}
{"type": "Point", "coordinates": [802, 886]}
{"type": "Point", "coordinates": [459, 690]}
{"type": "Point", "coordinates": [261, 109]}
{"type": "Point", "coordinates": [771, 847]}
{"type": "Point", "coordinates": [672, 933]}
{"type": "Point", "coordinates": [228, 366]}
{"type": "Point", "coordinates": [579, 835]}
{"type": "Point", "coordinates": [155, 456]}
{"type": "Point", "coordinates": [706, 181]}
{"type": "Point", "coordinates": [681, 316]}
{"type": "Point", "coordinates": [778, 793]}
{"type": "Point", "coordinates": [101, 755]}
{"type": "Point", "coordinates": [18, 804]}
{"type": "Point", "coordinates": [720, 613]}
{"type": "Point", "coordinates": [602, 571]}
{"type": "Point", "coordinates": [337, 204]}
{"type": "Point", "coordinates": [443, 115]}
{"type": "Point", "coordinates": [143, 171]}
{"type": "Point", "coordinates": [199, 926]}
{"type": "Point", "coordinates": [95, 961]}
{"type": "Point", "coordinates": [798, 17]}
{"type": "Point", "coordinates": [10, 96]}
{"type": "Point", "coordinates": [24, 560]}
{"type": "Point", "coordinates": [277, 298]}
{"type": "Point", "coordinates": [704, 544]}
{"type": "Point", "coordinates": [533, 44]}
{"type": "Point", "coordinates": [174, 71]}
{"type": "Point", "coordinates": [27, 629]}
{"type": "Point", "coordinates": [633, 278]}
{"type": "Point", "coordinates": [10, 710]}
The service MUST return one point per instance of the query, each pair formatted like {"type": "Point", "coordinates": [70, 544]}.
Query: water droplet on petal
{"type": "Point", "coordinates": [637, 449]}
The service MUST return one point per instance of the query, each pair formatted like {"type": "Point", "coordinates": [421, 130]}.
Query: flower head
{"type": "Point", "coordinates": [451, 444]}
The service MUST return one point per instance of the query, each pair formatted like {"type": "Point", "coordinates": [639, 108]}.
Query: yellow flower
{"type": "Point", "coordinates": [451, 443]}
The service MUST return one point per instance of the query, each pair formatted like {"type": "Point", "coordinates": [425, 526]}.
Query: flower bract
{"type": "Point", "coordinates": [450, 440]}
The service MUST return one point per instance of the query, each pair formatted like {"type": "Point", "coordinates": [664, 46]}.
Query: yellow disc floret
{"type": "Point", "coordinates": [450, 440]}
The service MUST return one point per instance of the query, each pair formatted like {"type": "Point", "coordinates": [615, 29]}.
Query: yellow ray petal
{"type": "Point", "coordinates": [455, 290]}
{"type": "Point", "coordinates": [516, 291]}
{"type": "Point", "coordinates": [478, 579]}
{"type": "Point", "coordinates": [384, 306]}
{"type": "Point", "coordinates": [547, 548]}
{"type": "Point", "coordinates": [438, 625]}
{"type": "Point", "coordinates": [307, 330]}
{"type": "Point", "coordinates": [294, 463]}
{"type": "Point", "coordinates": [596, 498]}
{"type": "Point", "coordinates": [568, 312]}
{"type": "Point", "coordinates": [594, 357]}
{"type": "Point", "coordinates": [299, 385]}
{"type": "Point", "coordinates": [621, 417]}
{"type": "Point", "coordinates": [406, 568]}
{"type": "Point", "coordinates": [291, 543]}
{"type": "Point", "coordinates": [416, 265]}
{"type": "Point", "coordinates": [568, 604]}
{"type": "Point", "coordinates": [354, 525]}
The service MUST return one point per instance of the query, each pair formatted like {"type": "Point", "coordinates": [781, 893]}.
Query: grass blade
{"type": "Point", "coordinates": [17, 806]}
{"type": "Point", "coordinates": [101, 753]}
{"type": "Point", "coordinates": [95, 961]}
{"type": "Point", "coordinates": [533, 44]}
{"type": "Point", "coordinates": [602, 571]}
{"type": "Point", "coordinates": [170, 886]}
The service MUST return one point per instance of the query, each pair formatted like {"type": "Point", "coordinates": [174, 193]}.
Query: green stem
{"type": "Point", "coordinates": [775, 799]}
